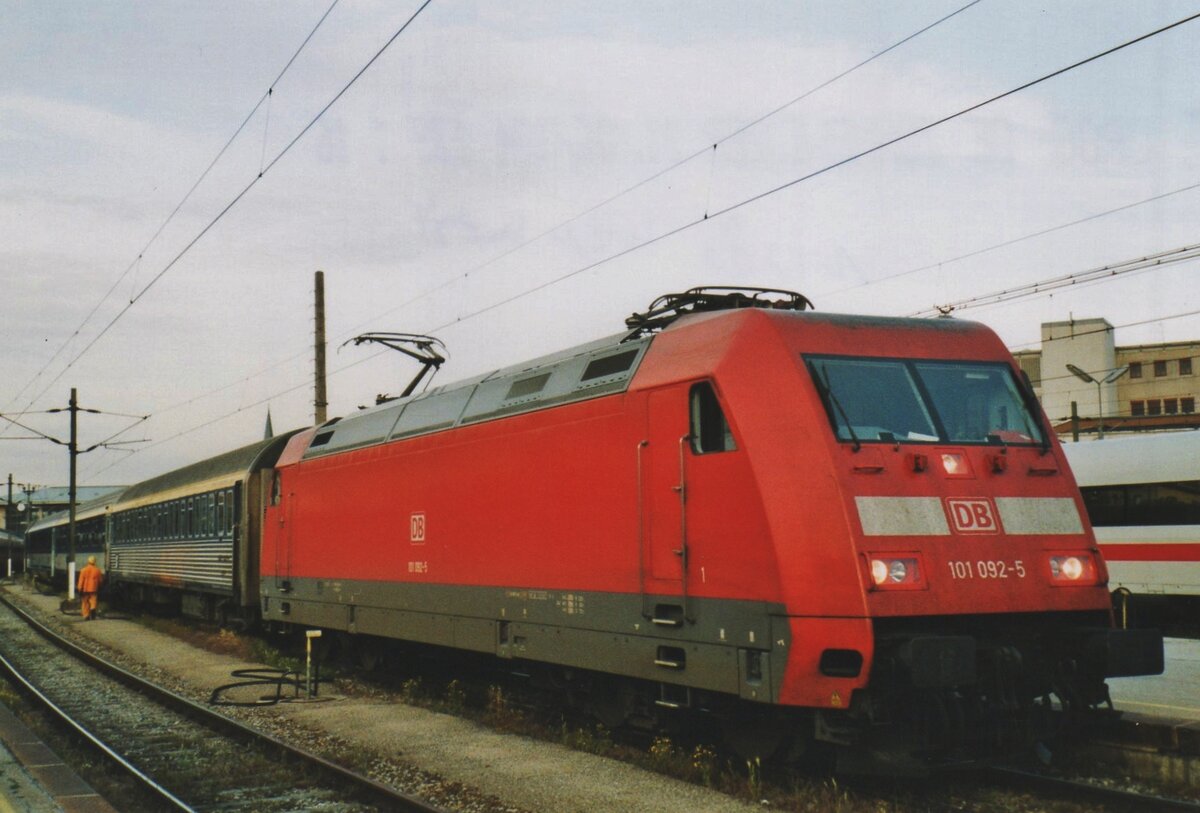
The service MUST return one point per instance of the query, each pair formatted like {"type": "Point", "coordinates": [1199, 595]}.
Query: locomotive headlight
{"type": "Point", "coordinates": [1072, 568]}
{"type": "Point", "coordinates": [1077, 568]}
{"type": "Point", "coordinates": [901, 572]}
{"type": "Point", "coordinates": [954, 464]}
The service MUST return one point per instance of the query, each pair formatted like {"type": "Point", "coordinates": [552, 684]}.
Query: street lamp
{"type": "Point", "coordinates": [1108, 379]}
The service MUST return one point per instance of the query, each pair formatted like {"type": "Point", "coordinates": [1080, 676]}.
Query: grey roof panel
{"type": "Point", "coordinates": [264, 452]}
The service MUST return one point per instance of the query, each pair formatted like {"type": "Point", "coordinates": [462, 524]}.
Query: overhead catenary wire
{"type": "Point", "coordinates": [818, 172]}
{"type": "Point", "coordinates": [1014, 241]}
{"type": "Point", "coordinates": [709, 147]}
{"type": "Point", "coordinates": [1103, 273]}
{"type": "Point", "coordinates": [237, 198]}
{"type": "Point", "coordinates": [1091, 331]}
{"type": "Point", "coordinates": [170, 217]}
{"type": "Point", "coordinates": [712, 146]}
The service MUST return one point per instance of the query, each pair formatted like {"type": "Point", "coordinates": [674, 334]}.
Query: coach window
{"type": "Point", "coordinates": [710, 431]}
{"type": "Point", "coordinates": [276, 489]}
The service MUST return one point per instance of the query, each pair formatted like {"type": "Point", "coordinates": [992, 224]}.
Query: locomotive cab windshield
{"type": "Point", "coordinates": [922, 401]}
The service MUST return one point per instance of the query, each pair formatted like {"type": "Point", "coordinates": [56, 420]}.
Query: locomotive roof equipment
{"type": "Point", "coordinates": [669, 307]}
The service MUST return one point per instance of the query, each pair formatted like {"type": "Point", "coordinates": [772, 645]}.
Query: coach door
{"type": "Point", "coordinates": [663, 458]}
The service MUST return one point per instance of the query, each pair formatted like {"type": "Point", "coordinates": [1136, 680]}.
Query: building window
{"type": "Point", "coordinates": [1154, 407]}
{"type": "Point", "coordinates": [1137, 408]}
{"type": "Point", "coordinates": [1188, 405]}
{"type": "Point", "coordinates": [1171, 406]}
{"type": "Point", "coordinates": [1032, 367]}
{"type": "Point", "coordinates": [1160, 369]}
{"type": "Point", "coordinates": [1185, 366]}
{"type": "Point", "coordinates": [1135, 369]}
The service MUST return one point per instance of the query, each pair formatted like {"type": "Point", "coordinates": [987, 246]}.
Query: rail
{"type": "Point", "coordinates": [376, 792]}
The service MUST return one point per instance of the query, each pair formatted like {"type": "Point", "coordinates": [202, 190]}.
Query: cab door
{"type": "Point", "coordinates": [278, 527]}
{"type": "Point", "coordinates": [665, 490]}
{"type": "Point", "coordinates": [698, 502]}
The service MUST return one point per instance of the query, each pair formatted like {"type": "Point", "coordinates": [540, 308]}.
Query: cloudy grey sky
{"type": "Point", "coordinates": [485, 125]}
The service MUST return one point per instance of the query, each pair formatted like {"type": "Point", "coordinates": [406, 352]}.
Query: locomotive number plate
{"type": "Point", "coordinates": [987, 569]}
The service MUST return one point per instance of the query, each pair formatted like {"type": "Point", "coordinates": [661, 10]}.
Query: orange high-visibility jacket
{"type": "Point", "coordinates": [90, 579]}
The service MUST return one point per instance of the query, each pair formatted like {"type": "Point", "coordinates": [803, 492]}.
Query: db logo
{"type": "Point", "coordinates": [973, 516]}
{"type": "Point", "coordinates": [416, 527]}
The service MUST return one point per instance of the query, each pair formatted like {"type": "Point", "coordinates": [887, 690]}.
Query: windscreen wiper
{"type": "Point", "coordinates": [827, 391]}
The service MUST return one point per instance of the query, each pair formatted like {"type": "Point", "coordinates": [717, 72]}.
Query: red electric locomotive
{"type": "Point", "coordinates": [854, 529]}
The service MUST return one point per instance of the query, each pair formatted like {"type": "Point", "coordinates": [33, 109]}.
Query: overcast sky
{"type": "Point", "coordinates": [485, 125]}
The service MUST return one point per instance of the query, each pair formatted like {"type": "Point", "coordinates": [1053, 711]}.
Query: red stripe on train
{"type": "Point", "coordinates": [1152, 552]}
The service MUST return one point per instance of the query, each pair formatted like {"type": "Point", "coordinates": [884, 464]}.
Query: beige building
{"type": "Point", "coordinates": [1135, 387]}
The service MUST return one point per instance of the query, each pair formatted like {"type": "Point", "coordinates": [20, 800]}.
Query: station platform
{"type": "Point", "coordinates": [1175, 694]}
{"type": "Point", "coordinates": [35, 780]}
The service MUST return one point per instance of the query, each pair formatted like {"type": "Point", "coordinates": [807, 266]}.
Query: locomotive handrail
{"type": "Point", "coordinates": [682, 553]}
{"type": "Point", "coordinates": [641, 522]}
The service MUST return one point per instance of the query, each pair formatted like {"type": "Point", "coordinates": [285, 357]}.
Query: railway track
{"type": "Point", "coordinates": [1088, 793]}
{"type": "Point", "coordinates": [184, 755]}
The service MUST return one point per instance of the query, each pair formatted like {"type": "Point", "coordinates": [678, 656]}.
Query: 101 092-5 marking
{"type": "Point", "coordinates": [987, 569]}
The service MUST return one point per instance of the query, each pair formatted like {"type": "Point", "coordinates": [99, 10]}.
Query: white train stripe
{"type": "Point", "coordinates": [926, 516]}
{"type": "Point", "coordinates": [902, 516]}
{"type": "Point", "coordinates": [1049, 516]}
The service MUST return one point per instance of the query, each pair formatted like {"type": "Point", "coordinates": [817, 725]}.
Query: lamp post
{"type": "Point", "coordinates": [1108, 379]}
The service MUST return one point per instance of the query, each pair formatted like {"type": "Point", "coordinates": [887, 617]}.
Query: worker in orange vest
{"type": "Point", "coordinates": [90, 579]}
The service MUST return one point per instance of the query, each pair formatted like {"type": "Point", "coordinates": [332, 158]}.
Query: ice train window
{"type": "Point", "coordinates": [1171, 503]}
{"type": "Point", "coordinates": [710, 431]}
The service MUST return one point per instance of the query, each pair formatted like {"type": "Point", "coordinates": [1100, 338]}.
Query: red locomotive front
{"type": "Point", "coordinates": [856, 529]}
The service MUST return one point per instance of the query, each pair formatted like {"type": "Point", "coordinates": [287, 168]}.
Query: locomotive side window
{"type": "Point", "coordinates": [710, 431]}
